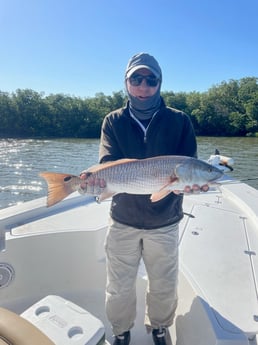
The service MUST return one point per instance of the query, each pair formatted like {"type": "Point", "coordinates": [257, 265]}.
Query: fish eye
{"type": "Point", "coordinates": [67, 178]}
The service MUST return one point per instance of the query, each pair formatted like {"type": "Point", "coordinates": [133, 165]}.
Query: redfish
{"type": "Point", "coordinates": [157, 176]}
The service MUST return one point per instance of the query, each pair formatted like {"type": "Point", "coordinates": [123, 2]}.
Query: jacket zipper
{"type": "Point", "coordinates": [141, 125]}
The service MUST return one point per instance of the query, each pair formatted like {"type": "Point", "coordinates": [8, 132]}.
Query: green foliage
{"type": "Point", "coordinates": [228, 109]}
{"type": "Point", "coordinates": [26, 113]}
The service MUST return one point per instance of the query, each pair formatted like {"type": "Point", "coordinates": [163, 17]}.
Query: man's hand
{"type": "Point", "coordinates": [194, 189]}
{"type": "Point", "coordinates": [91, 185]}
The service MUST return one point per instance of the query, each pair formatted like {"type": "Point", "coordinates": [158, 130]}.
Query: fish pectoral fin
{"type": "Point", "coordinates": [167, 185]}
{"type": "Point", "coordinates": [58, 186]}
{"type": "Point", "coordinates": [164, 191]}
{"type": "Point", "coordinates": [159, 195]}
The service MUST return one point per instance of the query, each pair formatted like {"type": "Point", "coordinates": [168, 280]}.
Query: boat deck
{"type": "Point", "coordinates": [59, 250]}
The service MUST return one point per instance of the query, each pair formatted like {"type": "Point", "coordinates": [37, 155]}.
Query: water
{"type": "Point", "coordinates": [22, 160]}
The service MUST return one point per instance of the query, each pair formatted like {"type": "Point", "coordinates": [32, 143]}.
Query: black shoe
{"type": "Point", "coordinates": [159, 336]}
{"type": "Point", "coordinates": [122, 339]}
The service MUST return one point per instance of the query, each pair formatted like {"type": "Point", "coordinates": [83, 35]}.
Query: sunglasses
{"type": "Point", "coordinates": [136, 80]}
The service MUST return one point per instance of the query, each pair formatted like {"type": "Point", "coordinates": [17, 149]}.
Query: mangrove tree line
{"type": "Point", "coordinates": [227, 109]}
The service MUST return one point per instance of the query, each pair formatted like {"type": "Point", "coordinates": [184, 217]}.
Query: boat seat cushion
{"type": "Point", "coordinates": [15, 330]}
{"type": "Point", "coordinates": [3, 342]}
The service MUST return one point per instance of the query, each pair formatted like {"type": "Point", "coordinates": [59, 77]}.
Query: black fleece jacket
{"type": "Point", "coordinates": [170, 132]}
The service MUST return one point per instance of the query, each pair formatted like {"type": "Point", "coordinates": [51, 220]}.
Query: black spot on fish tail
{"type": "Point", "coordinates": [67, 178]}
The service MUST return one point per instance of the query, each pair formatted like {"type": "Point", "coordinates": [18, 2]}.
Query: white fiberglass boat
{"type": "Point", "coordinates": [52, 272]}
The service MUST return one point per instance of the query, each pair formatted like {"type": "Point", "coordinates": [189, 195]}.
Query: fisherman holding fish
{"type": "Point", "coordinates": [147, 161]}
{"type": "Point", "coordinates": [140, 228]}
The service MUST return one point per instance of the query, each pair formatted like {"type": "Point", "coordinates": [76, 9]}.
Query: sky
{"type": "Point", "coordinates": [81, 47]}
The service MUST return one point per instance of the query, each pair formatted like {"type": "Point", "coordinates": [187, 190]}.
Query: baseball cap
{"type": "Point", "coordinates": [143, 60]}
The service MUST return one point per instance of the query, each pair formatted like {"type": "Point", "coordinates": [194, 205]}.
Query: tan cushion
{"type": "Point", "coordinates": [2, 342]}
{"type": "Point", "coordinates": [18, 331]}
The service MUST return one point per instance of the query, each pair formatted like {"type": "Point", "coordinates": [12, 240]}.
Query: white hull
{"type": "Point", "coordinates": [59, 251]}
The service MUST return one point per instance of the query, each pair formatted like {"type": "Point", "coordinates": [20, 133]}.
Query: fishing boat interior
{"type": "Point", "coordinates": [53, 275]}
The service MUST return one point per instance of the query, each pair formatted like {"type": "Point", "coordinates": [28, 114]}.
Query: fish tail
{"type": "Point", "coordinates": [59, 186]}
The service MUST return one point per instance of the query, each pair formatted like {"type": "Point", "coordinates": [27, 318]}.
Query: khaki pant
{"type": "Point", "coordinates": [125, 246]}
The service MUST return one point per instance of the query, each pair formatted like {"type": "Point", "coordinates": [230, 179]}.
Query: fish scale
{"type": "Point", "coordinates": [137, 176]}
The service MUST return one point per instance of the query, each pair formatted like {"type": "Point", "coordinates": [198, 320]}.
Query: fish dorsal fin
{"type": "Point", "coordinates": [98, 167]}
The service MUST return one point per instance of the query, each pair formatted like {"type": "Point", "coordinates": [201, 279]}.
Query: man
{"type": "Point", "coordinates": [138, 227]}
